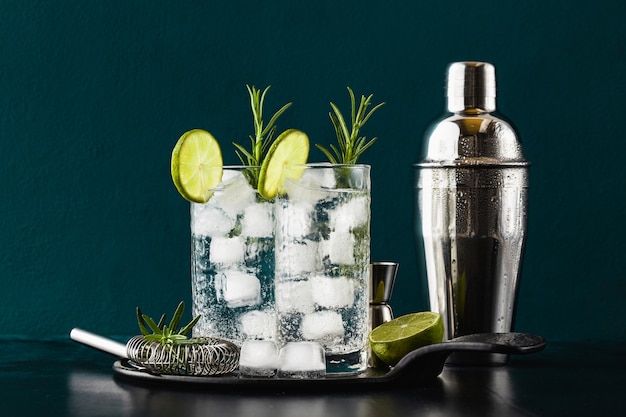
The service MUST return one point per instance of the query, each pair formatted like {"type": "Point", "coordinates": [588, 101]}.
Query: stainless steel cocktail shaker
{"type": "Point", "coordinates": [471, 194]}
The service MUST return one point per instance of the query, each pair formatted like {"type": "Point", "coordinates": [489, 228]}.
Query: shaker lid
{"type": "Point", "coordinates": [472, 136]}
{"type": "Point", "coordinates": [471, 85]}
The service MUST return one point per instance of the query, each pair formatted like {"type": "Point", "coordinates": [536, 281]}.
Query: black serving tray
{"type": "Point", "coordinates": [420, 367]}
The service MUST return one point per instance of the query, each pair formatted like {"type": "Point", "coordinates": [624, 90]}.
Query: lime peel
{"type": "Point", "coordinates": [196, 165]}
{"type": "Point", "coordinates": [290, 148]}
{"type": "Point", "coordinates": [392, 340]}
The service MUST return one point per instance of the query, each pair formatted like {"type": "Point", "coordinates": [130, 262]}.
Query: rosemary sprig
{"type": "Point", "coordinates": [166, 334]}
{"type": "Point", "coordinates": [263, 134]}
{"type": "Point", "coordinates": [350, 144]}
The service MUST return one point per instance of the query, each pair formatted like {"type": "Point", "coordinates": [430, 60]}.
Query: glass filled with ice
{"type": "Point", "coordinates": [322, 261]}
{"type": "Point", "coordinates": [232, 261]}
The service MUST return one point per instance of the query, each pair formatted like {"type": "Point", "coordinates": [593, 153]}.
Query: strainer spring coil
{"type": "Point", "coordinates": [212, 356]}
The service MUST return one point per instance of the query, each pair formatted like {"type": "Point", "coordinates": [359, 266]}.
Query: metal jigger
{"type": "Point", "coordinates": [383, 276]}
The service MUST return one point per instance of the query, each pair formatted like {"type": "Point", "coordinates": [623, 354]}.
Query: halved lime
{"type": "Point", "coordinates": [291, 147]}
{"type": "Point", "coordinates": [391, 341]}
{"type": "Point", "coordinates": [196, 165]}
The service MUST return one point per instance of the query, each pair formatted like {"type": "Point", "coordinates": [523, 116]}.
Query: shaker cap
{"type": "Point", "coordinates": [471, 85]}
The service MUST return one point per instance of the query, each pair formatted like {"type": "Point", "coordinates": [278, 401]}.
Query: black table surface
{"type": "Point", "coordinates": [58, 377]}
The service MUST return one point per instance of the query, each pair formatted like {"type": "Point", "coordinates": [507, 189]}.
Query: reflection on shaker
{"type": "Point", "coordinates": [471, 194]}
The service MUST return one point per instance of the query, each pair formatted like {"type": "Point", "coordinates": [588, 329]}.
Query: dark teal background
{"type": "Point", "coordinates": [94, 95]}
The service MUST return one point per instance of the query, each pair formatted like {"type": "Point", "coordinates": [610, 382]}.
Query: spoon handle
{"type": "Point", "coordinates": [426, 363]}
{"type": "Point", "coordinates": [98, 342]}
{"type": "Point", "coordinates": [511, 342]}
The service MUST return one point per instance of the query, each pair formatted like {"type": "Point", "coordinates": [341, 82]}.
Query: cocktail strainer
{"type": "Point", "coordinates": [212, 356]}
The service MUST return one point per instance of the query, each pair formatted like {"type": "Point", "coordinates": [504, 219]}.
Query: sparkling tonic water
{"type": "Point", "coordinates": [232, 262]}
{"type": "Point", "coordinates": [322, 263]}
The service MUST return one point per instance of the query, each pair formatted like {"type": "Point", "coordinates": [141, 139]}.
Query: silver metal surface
{"type": "Point", "coordinates": [471, 194]}
{"type": "Point", "coordinates": [211, 357]}
{"type": "Point", "coordinates": [379, 314]}
{"type": "Point", "coordinates": [471, 85]}
{"type": "Point", "coordinates": [383, 276]}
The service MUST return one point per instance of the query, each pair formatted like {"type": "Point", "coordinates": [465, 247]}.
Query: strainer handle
{"type": "Point", "coordinates": [99, 342]}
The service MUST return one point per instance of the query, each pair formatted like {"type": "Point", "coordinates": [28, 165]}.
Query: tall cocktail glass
{"type": "Point", "coordinates": [232, 261]}
{"type": "Point", "coordinates": [322, 261]}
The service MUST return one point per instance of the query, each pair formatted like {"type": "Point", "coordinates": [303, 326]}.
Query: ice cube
{"type": "Point", "coordinates": [302, 360]}
{"type": "Point", "coordinates": [259, 252]}
{"type": "Point", "coordinates": [208, 220]}
{"type": "Point", "coordinates": [236, 195]}
{"type": "Point", "coordinates": [339, 248]}
{"type": "Point", "coordinates": [294, 219]}
{"type": "Point", "coordinates": [299, 258]}
{"type": "Point", "coordinates": [200, 253]}
{"type": "Point", "coordinates": [228, 175]}
{"type": "Point", "coordinates": [323, 326]}
{"type": "Point", "coordinates": [320, 177]}
{"type": "Point", "coordinates": [258, 358]}
{"type": "Point", "coordinates": [304, 192]}
{"type": "Point", "coordinates": [332, 292]}
{"type": "Point", "coordinates": [239, 289]}
{"type": "Point", "coordinates": [227, 250]}
{"type": "Point", "coordinates": [258, 325]}
{"type": "Point", "coordinates": [294, 296]}
{"type": "Point", "coordinates": [350, 215]}
{"type": "Point", "coordinates": [258, 220]}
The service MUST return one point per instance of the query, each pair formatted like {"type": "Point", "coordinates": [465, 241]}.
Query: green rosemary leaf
{"type": "Point", "coordinates": [177, 316]}
{"type": "Point", "coordinates": [340, 122]}
{"type": "Point", "coordinates": [352, 105]}
{"type": "Point", "coordinates": [153, 326]}
{"type": "Point", "coordinates": [337, 152]}
{"type": "Point", "coordinates": [350, 145]}
{"type": "Point", "coordinates": [188, 327]}
{"type": "Point", "coordinates": [326, 152]}
{"type": "Point", "coordinates": [241, 158]}
{"type": "Point", "coordinates": [263, 133]}
{"type": "Point", "coordinates": [269, 138]}
{"type": "Point", "coordinates": [275, 117]}
{"type": "Point", "coordinates": [155, 337]}
{"type": "Point", "coordinates": [340, 141]}
{"type": "Point", "coordinates": [166, 334]}
{"type": "Point", "coordinates": [161, 321]}
{"type": "Point", "coordinates": [177, 338]}
{"type": "Point", "coordinates": [366, 118]}
{"type": "Point", "coordinates": [141, 322]}
{"type": "Point", "coordinates": [362, 148]}
{"type": "Point", "coordinates": [242, 151]}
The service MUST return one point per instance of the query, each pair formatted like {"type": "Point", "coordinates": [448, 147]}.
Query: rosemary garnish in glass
{"type": "Point", "coordinates": [263, 135]}
{"type": "Point", "coordinates": [350, 144]}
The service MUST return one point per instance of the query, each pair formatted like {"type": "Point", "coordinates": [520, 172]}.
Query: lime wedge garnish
{"type": "Point", "coordinates": [392, 340]}
{"type": "Point", "coordinates": [291, 147]}
{"type": "Point", "coordinates": [196, 165]}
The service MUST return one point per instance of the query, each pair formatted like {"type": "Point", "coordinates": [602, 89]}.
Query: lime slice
{"type": "Point", "coordinates": [196, 165]}
{"type": "Point", "coordinates": [291, 147]}
{"type": "Point", "coordinates": [391, 341]}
